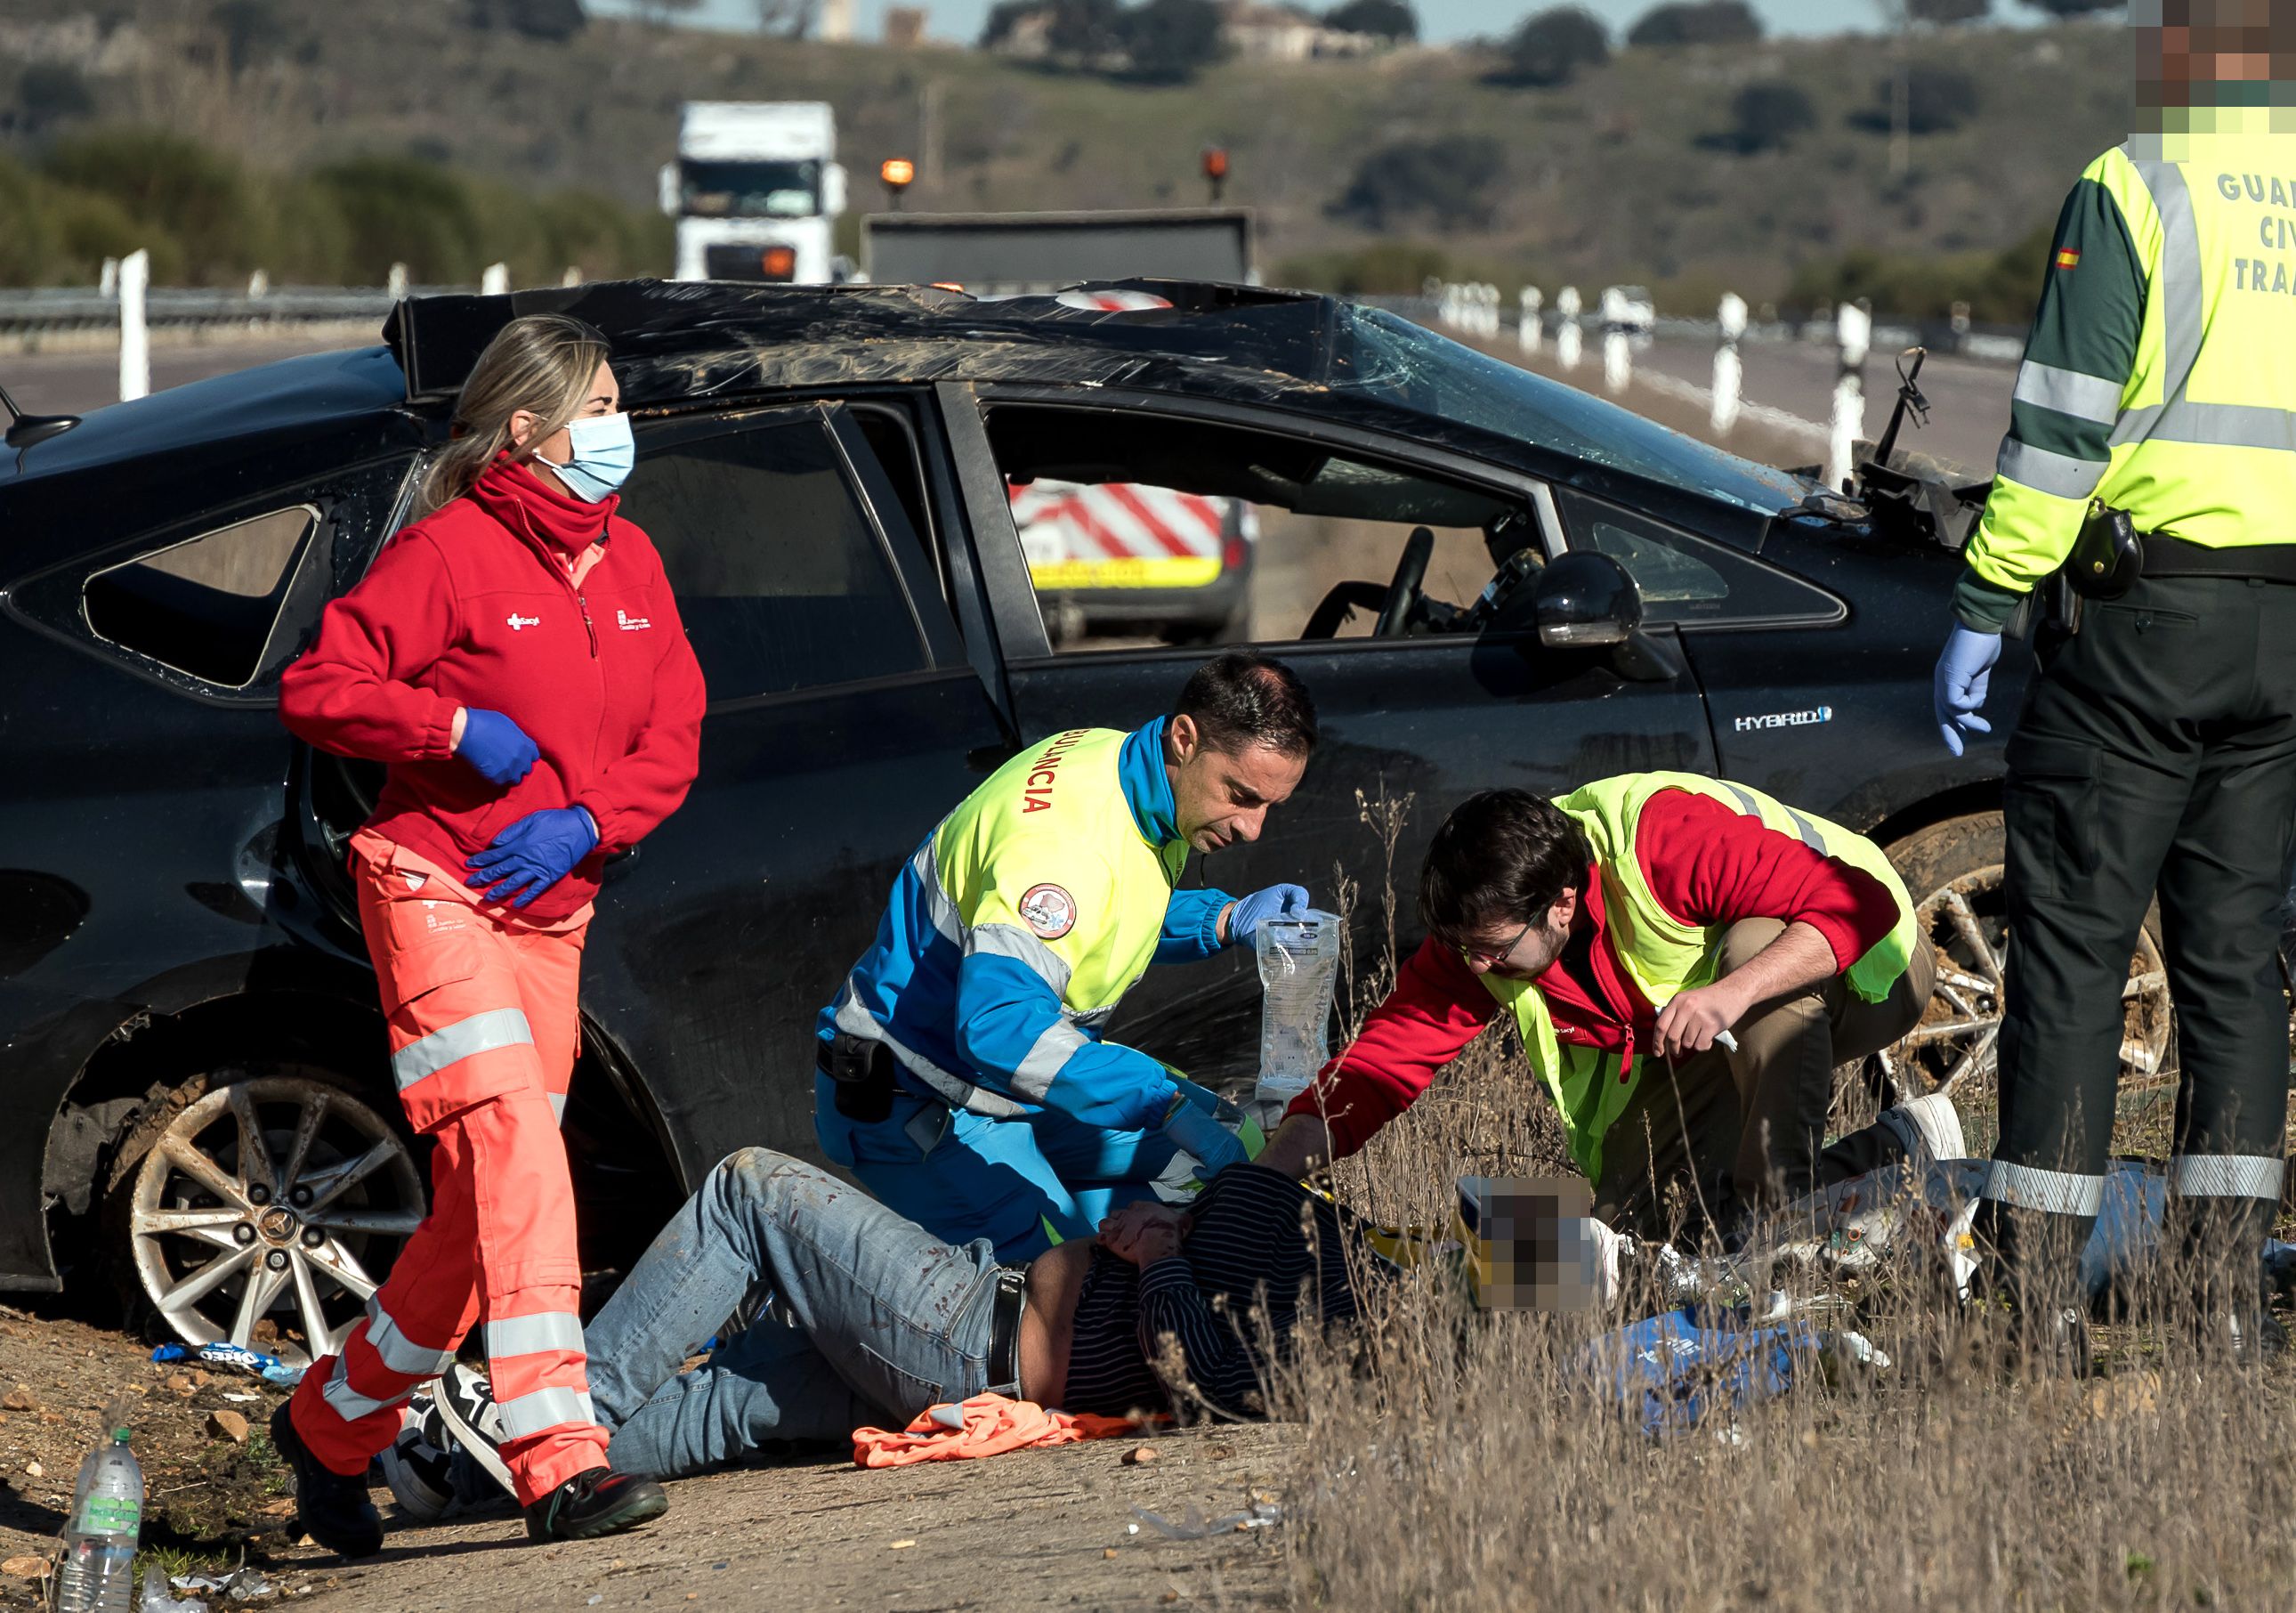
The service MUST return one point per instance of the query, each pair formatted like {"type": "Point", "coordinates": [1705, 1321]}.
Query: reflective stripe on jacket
{"type": "Point", "coordinates": [1015, 930]}
{"type": "Point", "coordinates": [2156, 376]}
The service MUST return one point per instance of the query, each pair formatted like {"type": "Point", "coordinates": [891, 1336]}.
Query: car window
{"type": "Point", "coordinates": [1688, 580]}
{"type": "Point", "coordinates": [782, 578]}
{"type": "Point", "coordinates": [206, 606]}
{"type": "Point", "coordinates": [1141, 529]}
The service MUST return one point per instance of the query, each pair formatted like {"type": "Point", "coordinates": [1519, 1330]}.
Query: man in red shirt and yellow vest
{"type": "Point", "coordinates": [1632, 927]}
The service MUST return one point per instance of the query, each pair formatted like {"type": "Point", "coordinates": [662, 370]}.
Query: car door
{"type": "Point", "coordinates": [1411, 725]}
{"type": "Point", "coordinates": [843, 719]}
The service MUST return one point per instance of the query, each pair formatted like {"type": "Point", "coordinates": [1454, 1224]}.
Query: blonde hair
{"type": "Point", "coordinates": [540, 363]}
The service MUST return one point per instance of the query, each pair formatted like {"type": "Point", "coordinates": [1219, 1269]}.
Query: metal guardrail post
{"type": "Point", "coordinates": [1527, 331]}
{"type": "Point", "coordinates": [1567, 334]}
{"type": "Point", "coordinates": [1853, 335]}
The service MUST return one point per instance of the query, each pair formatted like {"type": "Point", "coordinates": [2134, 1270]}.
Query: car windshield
{"type": "Point", "coordinates": [1409, 364]}
{"type": "Point", "coordinates": [750, 190]}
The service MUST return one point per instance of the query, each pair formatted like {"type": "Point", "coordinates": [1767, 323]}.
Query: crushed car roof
{"type": "Point", "coordinates": [676, 341]}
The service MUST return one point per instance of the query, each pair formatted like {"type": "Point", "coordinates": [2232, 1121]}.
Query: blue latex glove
{"type": "Point", "coordinates": [1250, 913]}
{"type": "Point", "coordinates": [1196, 1128]}
{"type": "Point", "coordinates": [533, 854]}
{"type": "Point", "coordinates": [498, 747]}
{"type": "Point", "coordinates": [1958, 690]}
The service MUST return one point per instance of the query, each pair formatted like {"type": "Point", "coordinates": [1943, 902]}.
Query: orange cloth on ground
{"type": "Point", "coordinates": [993, 1425]}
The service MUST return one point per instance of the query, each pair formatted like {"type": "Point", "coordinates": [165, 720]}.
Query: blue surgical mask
{"type": "Point", "coordinates": [600, 455]}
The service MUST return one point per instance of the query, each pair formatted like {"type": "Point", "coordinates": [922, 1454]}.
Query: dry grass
{"type": "Point", "coordinates": [1446, 1461]}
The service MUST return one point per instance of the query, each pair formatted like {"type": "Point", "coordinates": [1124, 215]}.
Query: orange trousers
{"type": "Point", "coordinates": [483, 1035]}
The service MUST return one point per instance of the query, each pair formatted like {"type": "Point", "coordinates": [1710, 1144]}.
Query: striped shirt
{"type": "Point", "coordinates": [1260, 1239]}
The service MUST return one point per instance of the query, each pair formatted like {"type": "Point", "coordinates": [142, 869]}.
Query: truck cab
{"type": "Point", "coordinates": [756, 191]}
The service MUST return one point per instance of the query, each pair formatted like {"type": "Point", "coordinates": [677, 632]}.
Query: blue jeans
{"type": "Point", "coordinates": [871, 1319]}
{"type": "Point", "coordinates": [1024, 1184]}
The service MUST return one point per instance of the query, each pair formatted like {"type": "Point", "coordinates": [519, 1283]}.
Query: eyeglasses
{"type": "Point", "coordinates": [1492, 960]}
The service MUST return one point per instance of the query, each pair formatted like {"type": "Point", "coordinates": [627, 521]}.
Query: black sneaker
{"type": "Point", "coordinates": [416, 1466]}
{"type": "Point", "coordinates": [600, 1501]}
{"type": "Point", "coordinates": [335, 1508]}
{"type": "Point", "coordinates": [465, 1403]}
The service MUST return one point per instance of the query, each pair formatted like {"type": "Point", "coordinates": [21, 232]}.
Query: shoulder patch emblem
{"type": "Point", "coordinates": [2068, 257]}
{"type": "Point", "coordinates": [1049, 910]}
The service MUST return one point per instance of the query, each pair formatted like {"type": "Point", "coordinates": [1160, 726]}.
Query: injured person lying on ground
{"type": "Point", "coordinates": [861, 1316]}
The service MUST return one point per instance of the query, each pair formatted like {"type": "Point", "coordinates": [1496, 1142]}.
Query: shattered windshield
{"type": "Point", "coordinates": [1406, 364]}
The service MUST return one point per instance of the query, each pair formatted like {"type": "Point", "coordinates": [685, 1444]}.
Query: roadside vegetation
{"type": "Point", "coordinates": [1645, 161]}
{"type": "Point", "coordinates": [1456, 1461]}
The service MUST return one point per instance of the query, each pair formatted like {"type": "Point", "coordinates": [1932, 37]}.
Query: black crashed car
{"type": "Point", "coordinates": [1485, 577]}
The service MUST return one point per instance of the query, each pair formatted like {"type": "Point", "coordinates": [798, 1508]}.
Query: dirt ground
{"type": "Point", "coordinates": [1033, 1529]}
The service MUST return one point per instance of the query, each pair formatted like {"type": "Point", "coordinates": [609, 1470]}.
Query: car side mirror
{"type": "Point", "coordinates": [1583, 600]}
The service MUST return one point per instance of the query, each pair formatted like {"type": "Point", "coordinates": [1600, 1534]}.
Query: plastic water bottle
{"type": "Point", "coordinates": [100, 1536]}
{"type": "Point", "coordinates": [1298, 970]}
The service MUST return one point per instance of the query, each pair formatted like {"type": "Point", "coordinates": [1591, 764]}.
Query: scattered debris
{"type": "Point", "coordinates": [1193, 1525]}
{"type": "Point", "coordinates": [35, 1470]}
{"type": "Point", "coordinates": [18, 1399]}
{"type": "Point", "coordinates": [227, 1425]}
{"type": "Point", "coordinates": [269, 1367]}
{"type": "Point", "coordinates": [25, 1568]}
{"type": "Point", "coordinates": [901, 1544]}
{"type": "Point", "coordinates": [1140, 1456]}
{"type": "Point", "coordinates": [156, 1599]}
{"type": "Point", "coordinates": [243, 1584]}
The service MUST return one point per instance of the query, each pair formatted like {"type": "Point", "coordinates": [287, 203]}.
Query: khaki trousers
{"type": "Point", "coordinates": [1706, 1142]}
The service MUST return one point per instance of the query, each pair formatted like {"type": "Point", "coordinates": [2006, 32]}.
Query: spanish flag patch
{"type": "Point", "coordinates": [2067, 257]}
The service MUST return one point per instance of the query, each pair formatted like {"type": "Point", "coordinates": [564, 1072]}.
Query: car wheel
{"type": "Point", "coordinates": [1954, 872]}
{"type": "Point", "coordinates": [265, 1208]}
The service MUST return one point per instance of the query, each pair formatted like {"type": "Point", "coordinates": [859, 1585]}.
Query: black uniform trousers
{"type": "Point", "coordinates": [2157, 749]}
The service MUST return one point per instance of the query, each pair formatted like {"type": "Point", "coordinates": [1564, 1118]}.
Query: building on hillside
{"type": "Point", "coordinates": [905, 26]}
{"type": "Point", "coordinates": [1263, 32]}
{"type": "Point", "coordinates": [834, 21]}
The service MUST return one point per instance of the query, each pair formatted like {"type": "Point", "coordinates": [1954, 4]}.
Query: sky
{"type": "Point", "coordinates": [1440, 20]}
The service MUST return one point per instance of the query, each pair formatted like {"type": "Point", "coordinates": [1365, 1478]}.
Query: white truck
{"type": "Point", "coordinates": [756, 191]}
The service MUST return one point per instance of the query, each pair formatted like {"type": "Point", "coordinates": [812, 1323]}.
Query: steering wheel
{"type": "Point", "coordinates": [1403, 588]}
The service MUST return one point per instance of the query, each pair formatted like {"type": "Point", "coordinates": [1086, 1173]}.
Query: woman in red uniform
{"type": "Point", "coordinates": [516, 659]}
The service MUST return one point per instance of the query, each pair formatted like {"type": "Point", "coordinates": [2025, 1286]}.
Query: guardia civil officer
{"type": "Point", "coordinates": [962, 1075]}
{"type": "Point", "coordinates": [2150, 466]}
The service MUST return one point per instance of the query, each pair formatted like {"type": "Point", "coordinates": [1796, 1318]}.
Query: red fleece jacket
{"type": "Point", "coordinates": [476, 605]}
{"type": "Point", "coordinates": [1706, 864]}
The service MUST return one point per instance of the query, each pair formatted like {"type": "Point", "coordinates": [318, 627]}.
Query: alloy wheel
{"type": "Point", "coordinates": [276, 1197]}
{"type": "Point", "coordinates": [1955, 1047]}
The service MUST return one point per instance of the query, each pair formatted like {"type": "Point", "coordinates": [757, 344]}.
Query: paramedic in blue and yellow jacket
{"type": "Point", "coordinates": [962, 1073]}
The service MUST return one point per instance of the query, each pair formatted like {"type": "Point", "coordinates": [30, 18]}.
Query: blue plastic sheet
{"type": "Point", "coordinates": [1675, 1371]}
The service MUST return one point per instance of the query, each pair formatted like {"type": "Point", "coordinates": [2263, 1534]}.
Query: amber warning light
{"type": "Point", "coordinates": [779, 263]}
{"type": "Point", "coordinates": [1216, 169]}
{"type": "Point", "coordinates": [899, 173]}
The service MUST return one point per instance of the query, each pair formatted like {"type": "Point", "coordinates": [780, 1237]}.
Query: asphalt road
{"type": "Point", "coordinates": [1969, 400]}
{"type": "Point", "coordinates": [75, 382]}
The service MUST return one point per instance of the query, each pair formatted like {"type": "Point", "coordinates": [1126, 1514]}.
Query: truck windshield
{"type": "Point", "coordinates": [749, 190]}
{"type": "Point", "coordinates": [1400, 362]}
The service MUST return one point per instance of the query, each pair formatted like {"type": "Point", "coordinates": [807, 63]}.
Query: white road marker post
{"type": "Point", "coordinates": [1853, 334]}
{"type": "Point", "coordinates": [394, 284]}
{"type": "Point", "coordinates": [1729, 375]}
{"type": "Point", "coordinates": [496, 280]}
{"type": "Point", "coordinates": [135, 340]}
{"type": "Point", "coordinates": [1618, 351]}
{"type": "Point", "coordinates": [1526, 330]}
{"type": "Point", "coordinates": [1566, 329]}
{"type": "Point", "coordinates": [572, 276]}
{"type": "Point", "coordinates": [258, 284]}
{"type": "Point", "coordinates": [107, 282]}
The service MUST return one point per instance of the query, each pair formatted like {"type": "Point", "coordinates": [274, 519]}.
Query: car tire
{"type": "Point", "coordinates": [281, 1257]}
{"type": "Point", "coordinates": [1953, 870]}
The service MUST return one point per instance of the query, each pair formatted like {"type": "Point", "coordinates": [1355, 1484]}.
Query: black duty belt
{"type": "Point", "coordinates": [1005, 1331]}
{"type": "Point", "coordinates": [2168, 557]}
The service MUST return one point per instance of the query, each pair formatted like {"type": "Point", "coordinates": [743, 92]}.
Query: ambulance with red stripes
{"type": "Point", "coordinates": [1117, 559]}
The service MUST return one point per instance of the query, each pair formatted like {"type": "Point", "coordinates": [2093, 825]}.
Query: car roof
{"type": "Point", "coordinates": [678, 342]}
{"type": "Point", "coordinates": [290, 398]}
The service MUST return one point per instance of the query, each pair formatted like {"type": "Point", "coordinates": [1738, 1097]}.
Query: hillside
{"type": "Point", "coordinates": [1617, 176]}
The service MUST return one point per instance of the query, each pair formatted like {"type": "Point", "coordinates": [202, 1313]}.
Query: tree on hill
{"type": "Point", "coordinates": [1766, 117]}
{"type": "Point", "coordinates": [1697, 22]}
{"type": "Point", "coordinates": [553, 21]}
{"type": "Point", "coordinates": [1386, 19]}
{"type": "Point", "coordinates": [1552, 45]}
{"type": "Point", "coordinates": [2073, 8]}
{"type": "Point", "coordinates": [1003, 17]}
{"type": "Point", "coordinates": [1944, 13]}
{"type": "Point", "coordinates": [1168, 40]}
{"type": "Point", "coordinates": [1447, 180]}
{"type": "Point", "coordinates": [51, 93]}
